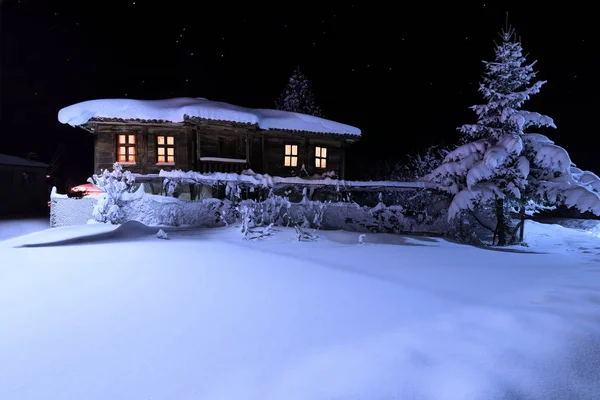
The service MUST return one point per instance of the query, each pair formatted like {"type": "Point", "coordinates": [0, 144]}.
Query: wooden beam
{"type": "Point", "coordinates": [306, 153]}
{"type": "Point", "coordinates": [198, 153]}
{"type": "Point", "coordinates": [247, 148]}
{"type": "Point", "coordinates": [144, 155]}
{"type": "Point", "coordinates": [263, 154]}
{"type": "Point", "coordinates": [96, 170]}
{"type": "Point", "coordinates": [343, 162]}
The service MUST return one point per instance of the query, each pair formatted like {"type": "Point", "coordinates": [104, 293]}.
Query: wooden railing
{"type": "Point", "coordinates": [217, 166]}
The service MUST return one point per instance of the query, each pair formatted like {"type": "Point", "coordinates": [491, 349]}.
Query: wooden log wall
{"type": "Point", "coordinates": [274, 152]}
{"type": "Point", "coordinates": [105, 152]}
{"type": "Point", "coordinates": [264, 151]}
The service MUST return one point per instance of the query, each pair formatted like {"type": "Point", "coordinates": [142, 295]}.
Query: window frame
{"type": "Point", "coordinates": [166, 146]}
{"type": "Point", "coordinates": [292, 155]}
{"type": "Point", "coordinates": [321, 154]}
{"type": "Point", "coordinates": [127, 145]}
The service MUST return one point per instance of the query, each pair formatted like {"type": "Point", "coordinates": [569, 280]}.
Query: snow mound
{"type": "Point", "coordinates": [130, 230]}
{"type": "Point", "coordinates": [175, 109]}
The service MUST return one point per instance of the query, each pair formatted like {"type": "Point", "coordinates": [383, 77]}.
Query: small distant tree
{"type": "Point", "coordinates": [297, 96]}
{"type": "Point", "coordinates": [415, 167]}
{"type": "Point", "coordinates": [421, 164]}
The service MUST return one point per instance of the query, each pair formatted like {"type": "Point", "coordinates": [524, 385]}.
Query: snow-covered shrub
{"type": "Point", "coordinates": [170, 187]}
{"type": "Point", "coordinates": [304, 236]}
{"type": "Point", "coordinates": [271, 211]}
{"type": "Point", "coordinates": [317, 220]}
{"type": "Point", "coordinates": [247, 213]}
{"type": "Point", "coordinates": [114, 185]}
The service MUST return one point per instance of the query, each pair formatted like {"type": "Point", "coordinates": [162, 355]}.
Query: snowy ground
{"type": "Point", "coordinates": [11, 227]}
{"type": "Point", "coordinates": [207, 315]}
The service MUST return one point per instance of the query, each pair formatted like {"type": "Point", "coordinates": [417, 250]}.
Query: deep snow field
{"type": "Point", "coordinates": [106, 312]}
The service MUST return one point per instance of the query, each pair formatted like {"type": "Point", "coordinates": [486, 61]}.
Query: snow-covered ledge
{"type": "Point", "coordinates": [251, 178]}
{"type": "Point", "coordinates": [223, 160]}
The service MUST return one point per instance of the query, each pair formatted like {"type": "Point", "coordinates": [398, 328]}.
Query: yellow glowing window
{"type": "Point", "coordinates": [321, 157]}
{"type": "Point", "coordinates": [126, 148]}
{"type": "Point", "coordinates": [291, 155]}
{"type": "Point", "coordinates": [165, 149]}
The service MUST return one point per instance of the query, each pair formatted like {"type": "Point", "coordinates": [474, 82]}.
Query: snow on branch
{"type": "Point", "coordinates": [470, 198]}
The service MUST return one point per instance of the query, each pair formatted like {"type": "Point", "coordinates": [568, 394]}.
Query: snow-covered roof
{"type": "Point", "coordinates": [174, 110]}
{"type": "Point", "coordinates": [5, 159]}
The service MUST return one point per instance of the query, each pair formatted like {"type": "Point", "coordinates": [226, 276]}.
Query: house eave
{"type": "Point", "coordinates": [90, 126]}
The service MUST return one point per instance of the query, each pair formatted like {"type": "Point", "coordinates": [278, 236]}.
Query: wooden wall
{"type": "Point", "coordinates": [274, 147]}
{"type": "Point", "coordinates": [105, 149]}
{"type": "Point", "coordinates": [264, 151]}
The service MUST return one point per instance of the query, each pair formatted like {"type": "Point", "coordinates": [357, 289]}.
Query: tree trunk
{"type": "Point", "coordinates": [501, 224]}
{"type": "Point", "coordinates": [522, 227]}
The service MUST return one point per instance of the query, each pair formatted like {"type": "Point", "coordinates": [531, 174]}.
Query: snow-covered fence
{"type": "Point", "coordinates": [66, 211]}
{"type": "Point", "coordinates": [250, 179]}
{"type": "Point", "coordinates": [169, 211]}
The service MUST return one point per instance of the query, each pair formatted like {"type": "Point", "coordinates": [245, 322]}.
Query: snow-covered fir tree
{"type": "Point", "coordinates": [297, 96]}
{"type": "Point", "coordinates": [499, 168]}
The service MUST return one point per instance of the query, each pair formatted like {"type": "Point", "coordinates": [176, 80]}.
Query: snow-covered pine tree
{"type": "Point", "coordinates": [554, 180]}
{"type": "Point", "coordinates": [489, 172]}
{"type": "Point", "coordinates": [297, 96]}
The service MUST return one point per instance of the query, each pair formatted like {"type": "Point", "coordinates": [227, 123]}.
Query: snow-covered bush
{"type": "Point", "coordinates": [114, 185]}
{"type": "Point", "coordinates": [246, 212]}
{"type": "Point", "coordinates": [170, 187]}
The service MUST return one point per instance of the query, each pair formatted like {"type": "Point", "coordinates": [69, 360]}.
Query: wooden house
{"type": "Point", "coordinates": [24, 189]}
{"type": "Point", "coordinates": [201, 135]}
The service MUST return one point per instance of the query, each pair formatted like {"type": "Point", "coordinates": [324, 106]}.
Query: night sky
{"type": "Point", "coordinates": [405, 77]}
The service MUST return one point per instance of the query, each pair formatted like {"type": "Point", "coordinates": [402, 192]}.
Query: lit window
{"type": "Point", "coordinates": [321, 157]}
{"type": "Point", "coordinates": [166, 149]}
{"type": "Point", "coordinates": [126, 148]}
{"type": "Point", "coordinates": [291, 155]}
